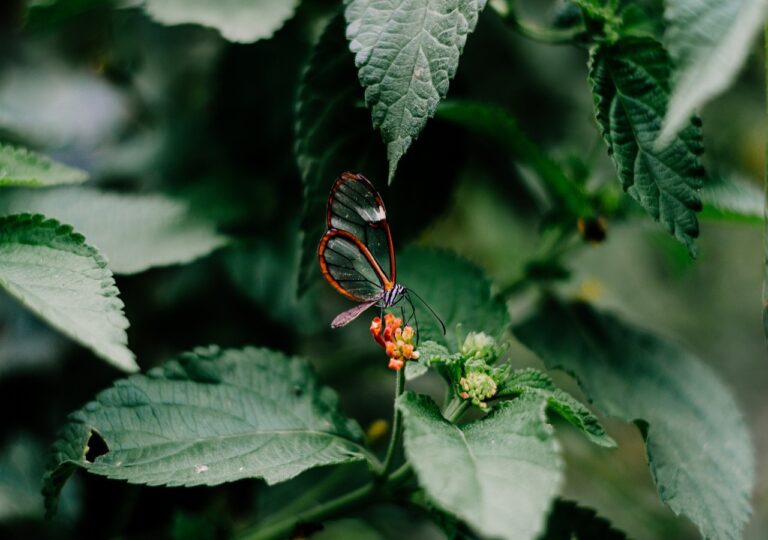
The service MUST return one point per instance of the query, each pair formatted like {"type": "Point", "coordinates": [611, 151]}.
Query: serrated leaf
{"type": "Point", "coordinates": [709, 40]}
{"type": "Point", "coordinates": [630, 86]}
{"type": "Point", "coordinates": [499, 474]}
{"type": "Point", "coordinates": [333, 134]}
{"type": "Point", "coordinates": [532, 381]}
{"type": "Point", "coordinates": [135, 232]}
{"type": "Point", "coordinates": [406, 52]}
{"type": "Point", "coordinates": [733, 199]}
{"type": "Point", "coordinates": [23, 167]}
{"type": "Point", "coordinates": [569, 521]}
{"type": "Point", "coordinates": [51, 270]}
{"type": "Point", "coordinates": [242, 21]}
{"type": "Point", "coordinates": [457, 290]}
{"type": "Point", "coordinates": [208, 417]}
{"type": "Point", "coordinates": [698, 447]}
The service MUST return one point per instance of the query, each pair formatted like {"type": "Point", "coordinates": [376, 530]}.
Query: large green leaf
{"type": "Point", "coordinates": [709, 41]}
{"type": "Point", "coordinates": [630, 84]}
{"type": "Point", "coordinates": [457, 290]}
{"type": "Point", "coordinates": [51, 270]}
{"type": "Point", "coordinates": [733, 199]}
{"type": "Point", "coordinates": [208, 417]}
{"type": "Point", "coordinates": [499, 474]}
{"type": "Point", "coordinates": [407, 51]}
{"type": "Point", "coordinates": [333, 134]}
{"type": "Point", "coordinates": [238, 20]}
{"type": "Point", "coordinates": [135, 232]}
{"type": "Point", "coordinates": [698, 446]}
{"type": "Point", "coordinates": [559, 402]}
{"type": "Point", "coordinates": [569, 521]}
{"type": "Point", "coordinates": [22, 167]}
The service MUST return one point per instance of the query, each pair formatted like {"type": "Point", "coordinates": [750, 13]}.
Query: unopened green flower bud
{"type": "Point", "coordinates": [478, 387]}
{"type": "Point", "coordinates": [479, 345]}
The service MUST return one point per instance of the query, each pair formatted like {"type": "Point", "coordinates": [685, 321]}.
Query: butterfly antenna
{"type": "Point", "coordinates": [413, 314]}
{"type": "Point", "coordinates": [432, 311]}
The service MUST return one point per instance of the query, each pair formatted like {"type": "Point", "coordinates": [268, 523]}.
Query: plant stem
{"type": "Point", "coordinates": [397, 420]}
{"type": "Point", "coordinates": [321, 512]}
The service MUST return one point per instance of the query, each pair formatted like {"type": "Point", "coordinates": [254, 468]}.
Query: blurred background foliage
{"type": "Point", "coordinates": [178, 110]}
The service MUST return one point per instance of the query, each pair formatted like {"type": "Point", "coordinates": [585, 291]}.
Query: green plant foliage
{"type": "Point", "coordinates": [333, 134]}
{"type": "Point", "coordinates": [698, 447]}
{"type": "Point", "coordinates": [51, 270]}
{"type": "Point", "coordinates": [499, 125]}
{"type": "Point", "coordinates": [407, 51]}
{"type": "Point", "coordinates": [630, 85]}
{"type": "Point", "coordinates": [709, 40]}
{"type": "Point", "coordinates": [134, 232]}
{"type": "Point", "coordinates": [560, 402]}
{"type": "Point", "coordinates": [733, 199]}
{"type": "Point", "coordinates": [208, 417]}
{"type": "Point", "coordinates": [242, 21]}
{"type": "Point", "coordinates": [468, 307]}
{"type": "Point", "coordinates": [499, 474]}
{"type": "Point", "coordinates": [23, 167]}
{"type": "Point", "coordinates": [569, 521]}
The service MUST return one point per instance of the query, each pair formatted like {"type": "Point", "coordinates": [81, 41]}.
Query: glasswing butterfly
{"type": "Point", "coordinates": [356, 254]}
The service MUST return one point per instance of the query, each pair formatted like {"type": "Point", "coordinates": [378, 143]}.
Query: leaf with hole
{"type": "Point", "coordinates": [630, 87]}
{"type": "Point", "coordinates": [698, 447]}
{"type": "Point", "coordinates": [208, 417]}
{"type": "Point", "coordinates": [52, 271]}
{"type": "Point", "coordinates": [499, 474]}
{"type": "Point", "coordinates": [406, 52]}
{"type": "Point", "coordinates": [23, 167]}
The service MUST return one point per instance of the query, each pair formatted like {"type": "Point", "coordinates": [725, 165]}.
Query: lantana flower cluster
{"type": "Point", "coordinates": [398, 341]}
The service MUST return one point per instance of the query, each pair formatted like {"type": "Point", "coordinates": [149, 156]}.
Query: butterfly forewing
{"type": "Point", "coordinates": [350, 268]}
{"type": "Point", "coordinates": [355, 206]}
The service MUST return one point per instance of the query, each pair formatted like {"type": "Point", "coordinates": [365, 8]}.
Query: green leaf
{"type": "Point", "coordinates": [698, 447]}
{"type": "Point", "coordinates": [51, 270]}
{"type": "Point", "coordinates": [709, 40]}
{"type": "Point", "coordinates": [242, 21]}
{"type": "Point", "coordinates": [631, 90]}
{"type": "Point", "coordinates": [497, 124]}
{"type": "Point", "coordinates": [135, 232]}
{"type": "Point", "coordinates": [532, 381]}
{"type": "Point", "coordinates": [457, 290]}
{"type": "Point", "coordinates": [406, 52]}
{"type": "Point", "coordinates": [733, 199]}
{"type": "Point", "coordinates": [333, 134]}
{"type": "Point", "coordinates": [208, 417]}
{"type": "Point", "coordinates": [499, 474]}
{"type": "Point", "coordinates": [569, 521]}
{"type": "Point", "coordinates": [23, 167]}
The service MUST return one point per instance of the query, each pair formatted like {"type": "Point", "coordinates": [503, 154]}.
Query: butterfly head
{"type": "Point", "coordinates": [392, 296]}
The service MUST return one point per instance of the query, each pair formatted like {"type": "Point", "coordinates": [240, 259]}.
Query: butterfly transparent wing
{"type": "Point", "coordinates": [349, 267]}
{"type": "Point", "coordinates": [355, 206]}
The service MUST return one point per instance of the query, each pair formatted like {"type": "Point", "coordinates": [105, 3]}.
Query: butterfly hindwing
{"type": "Point", "coordinates": [355, 206]}
{"type": "Point", "coordinates": [350, 267]}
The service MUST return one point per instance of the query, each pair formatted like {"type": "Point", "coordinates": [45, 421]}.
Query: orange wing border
{"type": "Point", "coordinates": [386, 283]}
{"type": "Point", "coordinates": [350, 176]}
